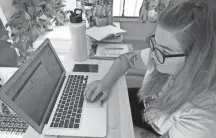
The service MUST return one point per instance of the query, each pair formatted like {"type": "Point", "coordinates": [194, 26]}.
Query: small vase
{"type": "Point", "coordinates": [101, 21]}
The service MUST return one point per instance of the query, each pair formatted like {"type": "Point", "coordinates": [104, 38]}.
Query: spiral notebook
{"type": "Point", "coordinates": [107, 51]}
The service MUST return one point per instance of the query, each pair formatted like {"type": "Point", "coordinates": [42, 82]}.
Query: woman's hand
{"type": "Point", "coordinates": [96, 88]}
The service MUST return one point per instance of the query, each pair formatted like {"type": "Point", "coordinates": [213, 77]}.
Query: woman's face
{"type": "Point", "coordinates": [168, 44]}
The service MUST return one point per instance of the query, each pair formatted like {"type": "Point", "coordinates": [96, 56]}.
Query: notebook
{"type": "Point", "coordinates": [107, 51]}
{"type": "Point", "coordinates": [101, 33]}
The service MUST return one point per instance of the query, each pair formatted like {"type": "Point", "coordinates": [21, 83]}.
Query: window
{"type": "Point", "coordinates": [126, 8]}
{"type": "Point", "coordinates": [130, 7]}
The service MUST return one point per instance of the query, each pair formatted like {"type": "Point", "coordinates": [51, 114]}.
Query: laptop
{"type": "Point", "coordinates": [51, 100]}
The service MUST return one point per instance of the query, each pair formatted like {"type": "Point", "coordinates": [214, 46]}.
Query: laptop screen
{"type": "Point", "coordinates": [32, 87]}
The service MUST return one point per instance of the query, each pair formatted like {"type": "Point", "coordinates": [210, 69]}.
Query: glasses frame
{"type": "Point", "coordinates": [153, 48]}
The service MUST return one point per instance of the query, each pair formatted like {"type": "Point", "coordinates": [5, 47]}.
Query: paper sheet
{"type": "Point", "coordinates": [109, 50]}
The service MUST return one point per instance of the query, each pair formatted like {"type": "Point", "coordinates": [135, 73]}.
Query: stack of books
{"type": "Point", "coordinates": [109, 33]}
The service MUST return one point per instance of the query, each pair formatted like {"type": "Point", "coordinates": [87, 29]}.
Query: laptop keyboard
{"type": "Point", "coordinates": [69, 110]}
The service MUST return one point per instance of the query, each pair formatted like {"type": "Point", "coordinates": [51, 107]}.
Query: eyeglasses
{"type": "Point", "coordinates": [158, 53]}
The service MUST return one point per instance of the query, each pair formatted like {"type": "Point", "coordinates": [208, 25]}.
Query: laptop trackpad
{"type": "Point", "coordinates": [96, 103]}
{"type": "Point", "coordinates": [93, 105]}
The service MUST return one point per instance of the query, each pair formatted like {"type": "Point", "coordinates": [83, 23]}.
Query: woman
{"type": "Point", "coordinates": [179, 87]}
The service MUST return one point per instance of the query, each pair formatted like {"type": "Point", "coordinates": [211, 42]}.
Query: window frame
{"type": "Point", "coordinates": [127, 18]}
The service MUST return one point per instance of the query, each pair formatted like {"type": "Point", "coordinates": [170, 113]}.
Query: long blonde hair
{"type": "Point", "coordinates": [194, 25]}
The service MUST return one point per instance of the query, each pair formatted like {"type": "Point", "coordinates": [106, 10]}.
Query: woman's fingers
{"type": "Point", "coordinates": [96, 93]}
{"type": "Point", "coordinates": [94, 89]}
{"type": "Point", "coordinates": [89, 91]}
{"type": "Point", "coordinates": [104, 97]}
{"type": "Point", "coordinates": [85, 91]}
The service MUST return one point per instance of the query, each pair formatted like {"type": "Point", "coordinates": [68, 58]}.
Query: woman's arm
{"type": "Point", "coordinates": [125, 62]}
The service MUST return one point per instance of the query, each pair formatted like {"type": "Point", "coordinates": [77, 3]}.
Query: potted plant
{"type": "Point", "coordinates": [33, 18]}
{"type": "Point", "coordinates": [101, 13]}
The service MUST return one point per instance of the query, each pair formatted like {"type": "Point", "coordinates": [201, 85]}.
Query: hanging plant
{"type": "Point", "coordinates": [34, 17]}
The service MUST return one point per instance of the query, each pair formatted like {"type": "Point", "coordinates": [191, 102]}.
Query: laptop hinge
{"type": "Point", "coordinates": [47, 119]}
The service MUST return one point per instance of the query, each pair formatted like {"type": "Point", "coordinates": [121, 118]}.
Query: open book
{"type": "Point", "coordinates": [101, 33]}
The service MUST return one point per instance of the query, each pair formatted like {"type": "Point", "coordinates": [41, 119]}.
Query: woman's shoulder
{"type": "Point", "coordinates": [206, 101]}
{"type": "Point", "coordinates": [197, 119]}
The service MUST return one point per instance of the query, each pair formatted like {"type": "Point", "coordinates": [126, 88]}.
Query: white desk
{"type": "Point", "coordinates": [119, 115]}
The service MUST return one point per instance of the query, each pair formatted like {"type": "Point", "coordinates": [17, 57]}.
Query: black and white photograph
{"type": "Point", "coordinates": [107, 68]}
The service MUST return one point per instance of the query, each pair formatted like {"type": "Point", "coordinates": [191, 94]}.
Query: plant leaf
{"type": "Point", "coordinates": [27, 16]}
{"type": "Point", "coordinates": [37, 19]}
{"type": "Point", "coordinates": [49, 6]}
{"type": "Point", "coordinates": [60, 6]}
{"type": "Point", "coordinates": [15, 30]}
{"type": "Point", "coordinates": [21, 60]}
{"type": "Point", "coordinates": [51, 13]}
{"type": "Point", "coordinates": [63, 13]}
{"type": "Point", "coordinates": [30, 44]}
{"type": "Point", "coordinates": [37, 8]}
{"type": "Point", "coordinates": [42, 30]}
{"type": "Point", "coordinates": [32, 35]}
{"type": "Point", "coordinates": [44, 17]}
{"type": "Point", "coordinates": [49, 27]}
{"type": "Point", "coordinates": [35, 33]}
{"type": "Point", "coordinates": [25, 37]}
{"type": "Point", "coordinates": [38, 2]}
{"type": "Point", "coordinates": [20, 6]}
{"type": "Point", "coordinates": [22, 46]}
{"type": "Point", "coordinates": [16, 21]}
{"type": "Point", "coordinates": [31, 10]}
{"type": "Point", "coordinates": [28, 54]}
{"type": "Point", "coordinates": [25, 26]}
{"type": "Point", "coordinates": [8, 24]}
{"type": "Point", "coordinates": [16, 39]}
{"type": "Point", "coordinates": [34, 23]}
{"type": "Point", "coordinates": [22, 53]}
{"type": "Point", "coordinates": [4, 37]}
{"type": "Point", "coordinates": [42, 22]}
{"type": "Point", "coordinates": [30, 50]}
{"type": "Point", "coordinates": [42, 3]}
{"type": "Point", "coordinates": [14, 2]}
{"type": "Point", "coordinates": [60, 18]}
{"type": "Point", "coordinates": [15, 15]}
